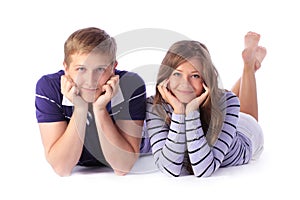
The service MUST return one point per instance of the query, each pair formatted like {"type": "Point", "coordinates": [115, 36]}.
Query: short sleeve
{"type": "Point", "coordinates": [48, 100]}
{"type": "Point", "coordinates": [134, 92]}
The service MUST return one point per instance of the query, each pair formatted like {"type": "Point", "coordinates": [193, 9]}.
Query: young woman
{"type": "Point", "coordinates": [194, 126]}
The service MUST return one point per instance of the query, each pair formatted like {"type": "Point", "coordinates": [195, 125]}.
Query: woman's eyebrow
{"type": "Point", "coordinates": [190, 72]}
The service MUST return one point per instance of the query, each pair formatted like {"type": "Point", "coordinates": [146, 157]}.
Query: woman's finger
{"type": "Point", "coordinates": [161, 91]}
{"type": "Point", "coordinates": [159, 87]}
{"type": "Point", "coordinates": [205, 87]}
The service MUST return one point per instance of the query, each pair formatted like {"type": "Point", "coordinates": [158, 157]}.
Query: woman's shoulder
{"type": "Point", "coordinates": [229, 94]}
{"type": "Point", "coordinates": [228, 97]}
{"type": "Point", "coordinates": [150, 99]}
{"type": "Point", "coordinates": [153, 106]}
{"type": "Point", "coordinates": [150, 103]}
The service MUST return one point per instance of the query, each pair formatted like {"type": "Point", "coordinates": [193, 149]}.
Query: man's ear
{"type": "Point", "coordinates": [65, 67]}
{"type": "Point", "coordinates": [115, 64]}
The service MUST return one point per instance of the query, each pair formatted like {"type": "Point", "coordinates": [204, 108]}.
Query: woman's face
{"type": "Point", "coordinates": [90, 72]}
{"type": "Point", "coordinates": [186, 82]}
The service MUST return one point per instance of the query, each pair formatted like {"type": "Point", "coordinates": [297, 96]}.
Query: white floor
{"type": "Point", "coordinates": [32, 37]}
{"type": "Point", "coordinates": [274, 175]}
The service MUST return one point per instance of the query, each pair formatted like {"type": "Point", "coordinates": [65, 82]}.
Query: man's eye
{"type": "Point", "coordinates": [80, 68]}
{"type": "Point", "coordinates": [101, 69]}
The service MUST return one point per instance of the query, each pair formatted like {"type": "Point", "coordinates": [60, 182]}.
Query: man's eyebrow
{"type": "Point", "coordinates": [102, 65]}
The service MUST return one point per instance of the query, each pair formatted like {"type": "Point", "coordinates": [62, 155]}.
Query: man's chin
{"type": "Point", "coordinates": [89, 98]}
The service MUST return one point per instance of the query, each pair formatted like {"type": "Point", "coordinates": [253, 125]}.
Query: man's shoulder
{"type": "Point", "coordinates": [130, 81]}
{"type": "Point", "coordinates": [49, 83]}
{"type": "Point", "coordinates": [54, 77]}
{"type": "Point", "coordinates": [128, 75]}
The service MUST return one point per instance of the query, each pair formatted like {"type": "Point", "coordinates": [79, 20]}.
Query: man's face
{"type": "Point", "coordinates": [90, 72]}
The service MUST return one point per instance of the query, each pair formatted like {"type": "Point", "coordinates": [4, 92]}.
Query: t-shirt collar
{"type": "Point", "coordinates": [117, 99]}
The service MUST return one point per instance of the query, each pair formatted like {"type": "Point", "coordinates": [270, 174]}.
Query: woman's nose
{"type": "Point", "coordinates": [185, 80]}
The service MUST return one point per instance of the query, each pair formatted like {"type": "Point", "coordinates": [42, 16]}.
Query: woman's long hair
{"type": "Point", "coordinates": [211, 115]}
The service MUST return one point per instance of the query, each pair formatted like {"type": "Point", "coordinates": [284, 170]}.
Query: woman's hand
{"type": "Point", "coordinates": [170, 98]}
{"type": "Point", "coordinates": [195, 103]}
{"type": "Point", "coordinates": [108, 92]}
{"type": "Point", "coordinates": [71, 91]}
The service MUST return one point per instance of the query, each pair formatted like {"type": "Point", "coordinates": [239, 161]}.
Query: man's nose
{"type": "Point", "coordinates": [93, 78]}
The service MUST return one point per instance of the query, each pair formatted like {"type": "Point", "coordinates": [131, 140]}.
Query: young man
{"type": "Point", "coordinates": [90, 113]}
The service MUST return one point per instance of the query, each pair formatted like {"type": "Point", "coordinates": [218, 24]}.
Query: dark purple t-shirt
{"type": "Point", "coordinates": [50, 107]}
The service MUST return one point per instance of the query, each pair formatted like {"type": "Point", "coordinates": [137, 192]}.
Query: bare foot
{"type": "Point", "coordinates": [251, 46]}
{"type": "Point", "coordinates": [249, 58]}
{"type": "Point", "coordinates": [251, 40]}
{"type": "Point", "coordinates": [260, 54]}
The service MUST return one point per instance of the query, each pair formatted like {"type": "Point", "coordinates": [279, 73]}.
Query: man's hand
{"type": "Point", "coordinates": [108, 92]}
{"type": "Point", "coordinates": [71, 91]}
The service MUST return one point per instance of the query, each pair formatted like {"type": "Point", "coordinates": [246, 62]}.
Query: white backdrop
{"type": "Point", "coordinates": [31, 44]}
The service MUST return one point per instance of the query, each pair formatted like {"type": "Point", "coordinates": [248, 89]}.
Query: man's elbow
{"type": "Point", "coordinates": [124, 170]}
{"type": "Point", "coordinates": [120, 173]}
{"type": "Point", "coordinates": [60, 168]}
{"type": "Point", "coordinates": [61, 171]}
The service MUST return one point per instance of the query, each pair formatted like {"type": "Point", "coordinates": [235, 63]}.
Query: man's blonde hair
{"type": "Point", "coordinates": [89, 40]}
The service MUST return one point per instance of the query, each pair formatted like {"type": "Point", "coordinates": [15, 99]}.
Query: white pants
{"type": "Point", "coordinates": [248, 126]}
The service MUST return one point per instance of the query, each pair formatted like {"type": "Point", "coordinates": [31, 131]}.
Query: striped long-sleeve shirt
{"type": "Point", "coordinates": [169, 142]}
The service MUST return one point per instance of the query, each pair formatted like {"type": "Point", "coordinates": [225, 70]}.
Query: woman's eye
{"type": "Point", "coordinates": [195, 76]}
{"type": "Point", "coordinates": [176, 74]}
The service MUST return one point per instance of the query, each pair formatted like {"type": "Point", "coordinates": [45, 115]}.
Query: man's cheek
{"type": "Point", "coordinates": [103, 80]}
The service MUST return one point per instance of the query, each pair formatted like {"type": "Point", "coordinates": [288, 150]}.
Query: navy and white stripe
{"type": "Point", "coordinates": [231, 147]}
{"type": "Point", "coordinates": [168, 143]}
